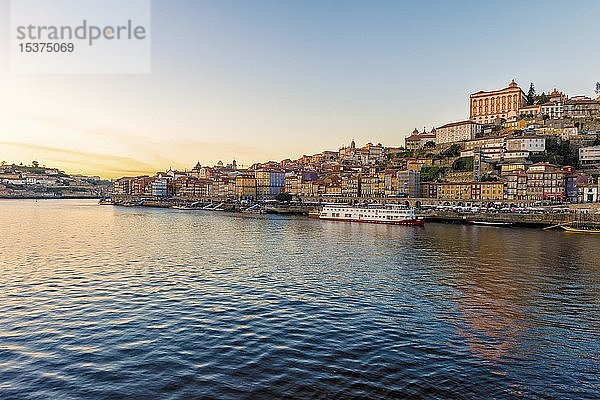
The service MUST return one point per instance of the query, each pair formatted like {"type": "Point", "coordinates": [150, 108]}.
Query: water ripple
{"type": "Point", "coordinates": [102, 302]}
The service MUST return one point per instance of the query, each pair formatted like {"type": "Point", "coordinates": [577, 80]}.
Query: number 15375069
{"type": "Point", "coordinates": [46, 47]}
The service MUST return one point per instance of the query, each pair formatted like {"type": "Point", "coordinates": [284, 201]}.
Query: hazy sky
{"type": "Point", "coordinates": [267, 80]}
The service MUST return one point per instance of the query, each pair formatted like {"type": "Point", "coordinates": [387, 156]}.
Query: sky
{"type": "Point", "coordinates": [259, 80]}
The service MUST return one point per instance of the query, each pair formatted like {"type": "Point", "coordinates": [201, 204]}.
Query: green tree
{"type": "Point", "coordinates": [284, 197]}
{"type": "Point", "coordinates": [463, 164]}
{"type": "Point", "coordinates": [429, 145]}
{"type": "Point", "coordinates": [597, 88]}
{"type": "Point", "coordinates": [452, 151]}
{"type": "Point", "coordinates": [531, 95]}
{"type": "Point", "coordinates": [430, 173]}
{"type": "Point", "coordinates": [557, 152]}
{"type": "Point", "coordinates": [542, 98]}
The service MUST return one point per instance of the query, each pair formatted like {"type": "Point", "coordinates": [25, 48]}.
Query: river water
{"type": "Point", "coordinates": [113, 302]}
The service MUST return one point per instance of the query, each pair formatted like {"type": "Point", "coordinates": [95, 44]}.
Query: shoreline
{"type": "Point", "coordinates": [49, 198]}
{"type": "Point", "coordinates": [495, 219]}
{"type": "Point", "coordinates": [499, 219]}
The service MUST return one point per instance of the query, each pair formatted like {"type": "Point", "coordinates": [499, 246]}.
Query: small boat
{"type": "Point", "coordinates": [489, 223]}
{"type": "Point", "coordinates": [255, 209]}
{"type": "Point", "coordinates": [580, 228]}
{"type": "Point", "coordinates": [314, 214]}
{"type": "Point", "coordinates": [177, 207]}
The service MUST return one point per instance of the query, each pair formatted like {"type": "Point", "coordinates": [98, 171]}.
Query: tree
{"type": "Point", "coordinates": [531, 95]}
{"type": "Point", "coordinates": [431, 173]}
{"type": "Point", "coordinates": [597, 87]}
{"type": "Point", "coordinates": [557, 152]}
{"type": "Point", "coordinates": [284, 197]}
{"type": "Point", "coordinates": [452, 151]}
{"type": "Point", "coordinates": [463, 164]}
{"type": "Point", "coordinates": [429, 145]}
{"type": "Point", "coordinates": [35, 164]}
{"type": "Point", "coordinates": [542, 98]}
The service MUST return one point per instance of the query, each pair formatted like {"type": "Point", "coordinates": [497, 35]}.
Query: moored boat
{"type": "Point", "coordinates": [178, 207]}
{"type": "Point", "coordinates": [388, 214]}
{"type": "Point", "coordinates": [491, 223]}
{"type": "Point", "coordinates": [580, 228]}
{"type": "Point", "coordinates": [314, 213]}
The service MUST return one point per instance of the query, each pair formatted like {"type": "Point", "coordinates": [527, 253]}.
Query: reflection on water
{"type": "Point", "coordinates": [97, 301]}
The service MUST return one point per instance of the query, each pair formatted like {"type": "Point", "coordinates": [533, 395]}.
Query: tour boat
{"type": "Point", "coordinates": [388, 214]}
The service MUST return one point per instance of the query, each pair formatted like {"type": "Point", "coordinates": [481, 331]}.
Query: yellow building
{"type": "Point", "coordinates": [513, 125]}
{"type": "Point", "coordinates": [454, 190]}
{"type": "Point", "coordinates": [487, 190]}
{"type": "Point", "coordinates": [245, 186]}
{"type": "Point", "coordinates": [293, 184]}
{"type": "Point", "coordinates": [511, 167]}
{"type": "Point", "coordinates": [470, 190]}
{"type": "Point", "coordinates": [350, 185]}
{"type": "Point", "coordinates": [263, 182]}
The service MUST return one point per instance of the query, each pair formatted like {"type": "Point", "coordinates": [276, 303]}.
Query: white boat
{"type": "Point", "coordinates": [177, 207]}
{"type": "Point", "coordinates": [489, 223]}
{"type": "Point", "coordinates": [388, 214]}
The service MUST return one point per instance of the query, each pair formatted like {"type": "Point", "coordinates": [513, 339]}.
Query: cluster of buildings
{"type": "Point", "coordinates": [541, 182]}
{"type": "Point", "coordinates": [505, 137]}
{"type": "Point", "coordinates": [265, 182]}
{"type": "Point", "coordinates": [38, 181]}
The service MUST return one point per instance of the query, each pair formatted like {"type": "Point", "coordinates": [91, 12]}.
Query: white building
{"type": "Point", "coordinates": [525, 143]}
{"type": "Point", "coordinates": [588, 193]}
{"type": "Point", "coordinates": [552, 110]}
{"type": "Point", "coordinates": [418, 140]}
{"type": "Point", "coordinates": [488, 142]}
{"type": "Point", "coordinates": [568, 132]}
{"type": "Point", "coordinates": [369, 154]}
{"type": "Point", "coordinates": [589, 155]}
{"type": "Point", "coordinates": [532, 111]}
{"type": "Point", "coordinates": [457, 132]}
{"type": "Point", "coordinates": [160, 186]}
{"type": "Point", "coordinates": [515, 155]}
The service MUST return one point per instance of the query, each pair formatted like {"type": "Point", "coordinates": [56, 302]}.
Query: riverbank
{"type": "Point", "coordinates": [66, 197]}
{"type": "Point", "coordinates": [513, 219]}
{"type": "Point", "coordinates": [543, 220]}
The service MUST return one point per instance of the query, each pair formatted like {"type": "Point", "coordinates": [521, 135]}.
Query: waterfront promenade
{"type": "Point", "coordinates": [433, 210]}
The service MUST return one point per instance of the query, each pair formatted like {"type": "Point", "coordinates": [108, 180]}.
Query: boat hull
{"type": "Point", "coordinates": [486, 223]}
{"type": "Point", "coordinates": [411, 222]}
{"type": "Point", "coordinates": [576, 230]}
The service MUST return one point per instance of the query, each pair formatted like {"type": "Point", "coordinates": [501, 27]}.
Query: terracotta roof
{"type": "Point", "coordinates": [582, 101]}
{"type": "Point", "coordinates": [419, 137]}
{"type": "Point", "coordinates": [525, 137]}
{"type": "Point", "coordinates": [458, 124]}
